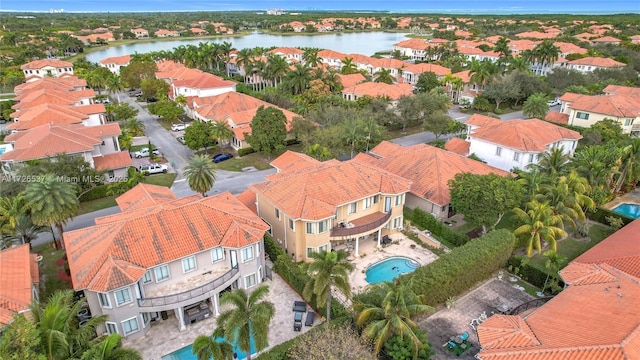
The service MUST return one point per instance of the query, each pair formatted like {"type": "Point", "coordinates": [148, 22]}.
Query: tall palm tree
{"type": "Point", "coordinates": [225, 50]}
{"type": "Point", "coordinates": [553, 264]}
{"type": "Point", "coordinates": [630, 159]}
{"type": "Point", "coordinates": [545, 53]}
{"type": "Point", "coordinates": [220, 130]}
{"type": "Point", "coordinates": [276, 68]}
{"type": "Point", "coordinates": [311, 57]}
{"type": "Point", "coordinates": [110, 348]}
{"type": "Point", "coordinates": [596, 163]}
{"type": "Point", "coordinates": [383, 76]}
{"type": "Point", "coordinates": [200, 173]}
{"type": "Point", "coordinates": [11, 208]}
{"type": "Point", "coordinates": [539, 224]}
{"type": "Point", "coordinates": [209, 347]}
{"type": "Point", "coordinates": [328, 270]}
{"type": "Point", "coordinates": [519, 63]}
{"type": "Point", "coordinates": [393, 315]}
{"type": "Point", "coordinates": [114, 85]}
{"type": "Point", "coordinates": [248, 317]}
{"type": "Point", "coordinates": [134, 127]}
{"type": "Point", "coordinates": [536, 106]}
{"type": "Point", "coordinates": [51, 202]}
{"type": "Point", "coordinates": [553, 163]}
{"type": "Point", "coordinates": [298, 79]}
{"type": "Point", "coordinates": [502, 47]}
{"type": "Point", "coordinates": [60, 335]}
{"type": "Point", "coordinates": [481, 71]}
{"type": "Point", "coordinates": [24, 231]}
{"type": "Point", "coordinates": [243, 60]}
{"type": "Point", "coordinates": [348, 66]}
{"type": "Point", "coordinates": [568, 197]}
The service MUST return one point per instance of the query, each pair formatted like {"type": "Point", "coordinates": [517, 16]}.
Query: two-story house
{"type": "Point", "coordinates": [589, 64]}
{"type": "Point", "coordinates": [39, 69]}
{"type": "Point", "coordinates": [373, 89]}
{"type": "Point", "coordinates": [19, 279]}
{"type": "Point", "coordinates": [203, 85]}
{"type": "Point", "coordinates": [140, 33]}
{"type": "Point", "coordinates": [516, 143]}
{"type": "Point", "coordinates": [315, 206]}
{"type": "Point", "coordinates": [164, 258]}
{"type": "Point", "coordinates": [115, 63]}
{"type": "Point", "coordinates": [429, 169]}
{"type": "Point", "coordinates": [411, 72]}
{"type": "Point", "coordinates": [290, 54]}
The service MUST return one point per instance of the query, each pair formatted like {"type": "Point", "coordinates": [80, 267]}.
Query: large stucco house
{"type": "Point", "coordinates": [39, 69]}
{"type": "Point", "coordinates": [164, 258]}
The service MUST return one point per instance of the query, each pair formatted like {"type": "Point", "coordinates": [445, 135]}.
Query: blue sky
{"type": "Point", "coordinates": [460, 6]}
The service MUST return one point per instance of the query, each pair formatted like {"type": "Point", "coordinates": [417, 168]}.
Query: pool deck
{"type": "Point", "coordinates": [632, 197]}
{"type": "Point", "coordinates": [165, 338]}
{"type": "Point", "coordinates": [400, 246]}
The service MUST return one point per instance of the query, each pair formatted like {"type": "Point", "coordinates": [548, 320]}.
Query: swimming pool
{"type": "Point", "coordinates": [186, 353]}
{"type": "Point", "coordinates": [389, 269]}
{"type": "Point", "coordinates": [630, 210]}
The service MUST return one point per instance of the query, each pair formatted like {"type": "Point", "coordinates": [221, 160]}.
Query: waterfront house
{"type": "Point", "coordinates": [39, 69]}
{"type": "Point", "coordinates": [114, 64]}
{"type": "Point", "coordinates": [19, 280]}
{"type": "Point", "coordinates": [140, 33]}
{"type": "Point", "coordinates": [165, 258]}
{"type": "Point", "coordinates": [166, 33]}
{"type": "Point", "coordinates": [589, 64]}
{"type": "Point", "coordinates": [391, 91]}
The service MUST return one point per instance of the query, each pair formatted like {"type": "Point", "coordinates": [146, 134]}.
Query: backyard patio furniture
{"type": "Point", "coordinates": [310, 317]}
{"type": "Point", "coordinates": [297, 321]}
{"type": "Point", "coordinates": [300, 306]}
{"type": "Point", "coordinates": [464, 336]}
{"type": "Point", "coordinates": [386, 240]}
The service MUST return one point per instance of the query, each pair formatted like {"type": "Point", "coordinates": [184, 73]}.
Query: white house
{"type": "Point", "coordinates": [114, 64]}
{"type": "Point", "coordinates": [39, 69]}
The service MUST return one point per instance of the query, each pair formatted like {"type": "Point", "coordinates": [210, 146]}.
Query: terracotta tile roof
{"type": "Point", "coordinates": [351, 80]}
{"type": "Point", "coordinates": [50, 139]}
{"type": "Point", "coordinates": [51, 96]}
{"type": "Point", "coordinates": [536, 35]}
{"type": "Point", "coordinates": [46, 114]}
{"type": "Point", "coordinates": [415, 43]}
{"type": "Point", "coordinates": [423, 68]}
{"type": "Point", "coordinates": [388, 63]}
{"type": "Point", "coordinates": [39, 64]}
{"type": "Point", "coordinates": [483, 120]}
{"type": "Point", "coordinates": [428, 168]}
{"type": "Point", "coordinates": [66, 83]}
{"type": "Point", "coordinates": [393, 91]}
{"type": "Point", "coordinates": [531, 135]}
{"type": "Point", "coordinates": [248, 198]}
{"type": "Point", "coordinates": [622, 90]}
{"type": "Point", "coordinates": [597, 61]}
{"type": "Point", "coordinates": [457, 146]}
{"type": "Point", "coordinates": [615, 105]}
{"type": "Point", "coordinates": [203, 81]}
{"type": "Point", "coordinates": [286, 51]}
{"type": "Point", "coordinates": [463, 75]}
{"type": "Point", "coordinates": [570, 97]}
{"type": "Point", "coordinates": [606, 39]}
{"type": "Point", "coordinates": [569, 48]}
{"type": "Point", "coordinates": [144, 196]}
{"type": "Point", "coordinates": [315, 191]}
{"type": "Point", "coordinates": [17, 275]}
{"type": "Point", "coordinates": [291, 160]}
{"type": "Point", "coordinates": [502, 331]}
{"type": "Point", "coordinates": [556, 117]}
{"type": "Point", "coordinates": [330, 54]}
{"type": "Point", "coordinates": [119, 60]}
{"type": "Point", "coordinates": [117, 160]}
{"type": "Point", "coordinates": [116, 251]}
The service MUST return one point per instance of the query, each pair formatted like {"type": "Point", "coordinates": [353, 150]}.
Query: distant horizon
{"type": "Point", "coordinates": [461, 7]}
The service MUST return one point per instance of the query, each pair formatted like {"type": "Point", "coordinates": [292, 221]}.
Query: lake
{"type": "Point", "coordinates": [365, 43]}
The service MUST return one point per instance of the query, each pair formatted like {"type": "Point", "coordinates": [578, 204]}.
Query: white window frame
{"type": "Point", "coordinates": [324, 247]}
{"type": "Point", "coordinates": [155, 270]}
{"type": "Point", "coordinates": [367, 202]}
{"type": "Point", "coordinates": [582, 115]}
{"type": "Point", "coordinates": [498, 151]}
{"type": "Point", "coordinates": [397, 222]}
{"type": "Point", "coordinates": [376, 199]}
{"type": "Point", "coordinates": [127, 321]}
{"type": "Point", "coordinates": [516, 156]}
{"type": "Point", "coordinates": [310, 228]}
{"type": "Point", "coordinates": [115, 327]}
{"type": "Point", "coordinates": [147, 278]}
{"type": "Point", "coordinates": [353, 207]}
{"type": "Point", "coordinates": [191, 261]}
{"type": "Point", "coordinates": [255, 280]}
{"type": "Point", "coordinates": [321, 224]}
{"type": "Point", "coordinates": [214, 251]}
{"type": "Point", "coordinates": [121, 290]}
{"type": "Point", "coordinates": [106, 296]}
{"type": "Point", "coordinates": [310, 250]}
{"type": "Point", "coordinates": [243, 252]}
{"type": "Point", "coordinates": [532, 158]}
{"type": "Point", "coordinates": [398, 200]}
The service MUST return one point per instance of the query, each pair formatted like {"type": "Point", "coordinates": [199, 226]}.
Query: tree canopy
{"type": "Point", "coordinates": [268, 131]}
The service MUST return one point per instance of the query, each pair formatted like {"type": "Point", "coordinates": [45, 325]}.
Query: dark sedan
{"type": "Point", "coordinates": [222, 157]}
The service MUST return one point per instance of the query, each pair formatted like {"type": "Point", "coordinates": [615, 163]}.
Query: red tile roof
{"type": "Point", "coordinates": [615, 105]}
{"type": "Point", "coordinates": [373, 89]}
{"type": "Point", "coordinates": [117, 160]}
{"type": "Point", "coordinates": [423, 68]}
{"type": "Point", "coordinates": [17, 275]}
{"type": "Point", "coordinates": [524, 135]}
{"type": "Point", "coordinates": [291, 160]}
{"type": "Point", "coordinates": [313, 192]}
{"type": "Point", "coordinates": [596, 317]}
{"type": "Point", "coordinates": [622, 90]}
{"type": "Point", "coordinates": [116, 251]}
{"type": "Point", "coordinates": [144, 196]}
{"type": "Point", "coordinates": [248, 198]}
{"type": "Point", "coordinates": [203, 81]}
{"type": "Point", "coordinates": [606, 39]}
{"type": "Point", "coordinates": [39, 64]}
{"type": "Point", "coordinates": [428, 168]}
{"type": "Point", "coordinates": [351, 80]}
{"type": "Point", "coordinates": [457, 146]}
{"type": "Point", "coordinates": [483, 120]}
{"type": "Point", "coordinates": [66, 83]}
{"type": "Point", "coordinates": [46, 114]}
{"type": "Point", "coordinates": [556, 117]}
{"type": "Point", "coordinates": [119, 60]}
{"type": "Point", "coordinates": [597, 61]}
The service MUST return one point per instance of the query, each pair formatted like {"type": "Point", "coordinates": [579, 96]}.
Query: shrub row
{"type": "Point", "coordinates": [297, 278]}
{"type": "Point", "coordinates": [459, 270]}
{"type": "Point", "coordinates": [530, 273]}
{"type": "Point", "coordinates": [426, 221]}
{"type": "Point", "coordinates": [245, 151]}
{"type": "Point", "coordinates": [600, 214]}
{"type": "Point", "coordinates": [97, 192]}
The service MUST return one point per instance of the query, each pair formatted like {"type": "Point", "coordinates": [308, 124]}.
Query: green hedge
{"type": "Point", "coordinates": [426, 221]}
{"type": "Point", "coordinates": [297, 278]}
{"type": "Point", "coordinates": [456, 272]}
{"type": "Point", "coordinates": [600, 214]}
{"type": "Point", "coordinates": [530, 273]}
{"type": "Point", "coordinates": [245, 151]}
{"type": "Point", "coordinates": [97, 192]}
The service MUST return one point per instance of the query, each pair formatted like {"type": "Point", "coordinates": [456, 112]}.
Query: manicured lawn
{"type": "Point", "coordinates": [464, 229]}
{"type": "Point", "coordinates": [160, 179]}
{"type": "Point", "coordinates": [507, 222]}
{"type": "Point", "coordinates": [98, 204]}
{"type": "Point", "coordinates": [237, 164]}
{"type": "Point", "coordinates": [52, 275]}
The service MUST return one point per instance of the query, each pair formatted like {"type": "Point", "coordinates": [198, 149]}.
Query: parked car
{"type": "Point", "coordinates": [149, 169]}
{"type": "Point", "coordinates": [554, 102]}
{"type": "Point", "coordinates": [222, 157]}
{"type": "Point", "coordinates": [181, 140]}
{"type": "Point", "coordinates": [144, 152]}
{"type": "Point", "coordinates": [179, 126]}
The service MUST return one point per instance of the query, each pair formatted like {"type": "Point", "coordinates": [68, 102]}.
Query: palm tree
{"type": "Point", "coordinates": [12, 208]}
{"type": "Point", "coordinates": [545, 53]}
{"type": "Point", "coordinates": [298, 79]}
{"type": "Point", "coordinates": [209, 347]}
{"type": "Point", "coordinates": [393, 315]}
{"type": "Point", "coordinates": [220, 130]}
{"type": "Point", "coordinates": [134, 127]}
{"type": "Point", "coordinates": [481, 71]}
{"type": "Point", "coordinates": [536, 106]}
{"type": "Point", "coordinates": [553, 163]}
{"type": "Point", "coordinates": [200, 173]}
{"type": "Point", "coordinates": [348, 67]}
{"type": "Point", "coordinates": [249, 317]}
{"type": "Point", "coordinates": [519, 63]}
{"type": "Point", "coordinates": [110, 348]}
{"type": "Point", "coordinates": [51, 202]}
{"type": "Point", "coordinates": [243, 59]}
{"type": "Point", "coordinates": [553, 264]}
{"type": "Point", "coordinates": [502, 47]}
{"type": "Point", "coordinates": [311, 57]}
{"type": "Point", "coordinates": [276, 68]}
{"type": "Point", "coordinates": [596, 164]}
{"type": "Point", "coordinates": [539, 224]}
{"type": "Point", "coordinates": [24, 231]}
{"type": "Point", "coordinates": [383, 76]}
{"type": "Point", "coordinates": [568, 198]}
{"type": "Point", "coordinates": [114, 85]}
{"type": "Point", "coordinates": [630, 159]}
{"type": "Point", "coordinates": [328, 270]}
{"type": "Point", "coordinates": [60, 335]}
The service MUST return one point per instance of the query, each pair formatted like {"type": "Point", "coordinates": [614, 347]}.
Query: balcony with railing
{"type": "Point", "coordinates": [197, 293]}
{"type": "Point", "coordinates": [361, 226]}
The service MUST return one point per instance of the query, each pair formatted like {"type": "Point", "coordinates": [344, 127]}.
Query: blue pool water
{"type": "Point", "coordinates": [630, 210]}
{"type": "Point", "coordinates": [389, 269]}
{"type": "Point", "coordinates": [186, 353]}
